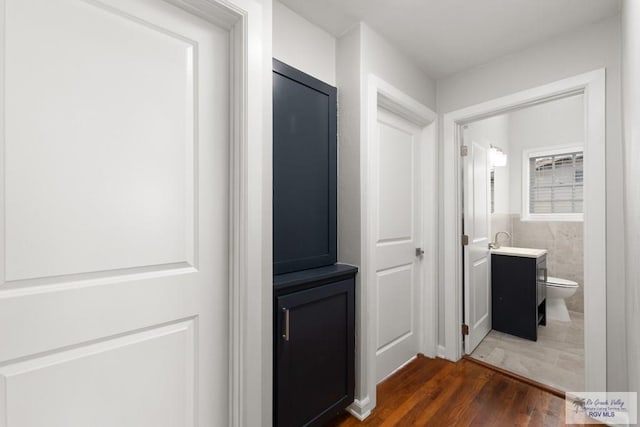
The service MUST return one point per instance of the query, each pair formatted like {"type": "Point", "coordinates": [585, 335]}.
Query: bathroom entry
{"type": "Point", "coordinates": [522, 180]}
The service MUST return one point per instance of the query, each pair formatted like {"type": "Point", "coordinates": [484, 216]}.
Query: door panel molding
{"type": "Point", "coordinates": [109, 135]}
{"type": "Point", "coordinates": [173, 342]}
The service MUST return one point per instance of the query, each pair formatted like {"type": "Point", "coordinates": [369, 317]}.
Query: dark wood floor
{"type": "Point", "coordinates": [435, 392]}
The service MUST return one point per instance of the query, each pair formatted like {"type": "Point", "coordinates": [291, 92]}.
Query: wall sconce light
{"type": "Point", "coordinates": [497, 157]}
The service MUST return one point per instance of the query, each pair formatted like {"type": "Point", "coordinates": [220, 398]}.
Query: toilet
{"type": "Point", "coordinates": [558, 290]}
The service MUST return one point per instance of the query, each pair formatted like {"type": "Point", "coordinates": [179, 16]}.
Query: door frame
{"type": "Point", "coordinates": [380, 93]}
{"type": "Point", "coordinates": [592, 85]}
{"type": "Point", "coordinates": [250, 291]}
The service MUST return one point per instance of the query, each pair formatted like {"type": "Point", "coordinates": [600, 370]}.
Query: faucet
{"type": "Point", "coordinates": [496, 244]}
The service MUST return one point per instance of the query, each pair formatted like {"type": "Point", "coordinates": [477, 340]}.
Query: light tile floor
{"type": "Point", "coordinates": [556, 359]}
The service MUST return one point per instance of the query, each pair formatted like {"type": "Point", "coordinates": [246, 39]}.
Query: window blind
{"type": "Point", "coordinates": [556, 183]}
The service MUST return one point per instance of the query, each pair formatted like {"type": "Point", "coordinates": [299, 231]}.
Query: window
{"type": "Point", "coordinates": [553, 184]}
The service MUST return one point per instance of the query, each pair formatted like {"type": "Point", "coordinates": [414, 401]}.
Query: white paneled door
{"type": "Point", "coordinates": [114, 274]}
{"type": "Point", "coordinates": [397, 219]}
{"type": "Point", "coordinates": [477, 258]}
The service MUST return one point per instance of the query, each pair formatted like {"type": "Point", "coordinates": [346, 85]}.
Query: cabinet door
{"type": "Point", "coordinates": [514, 295]}
{"type": "Point", "coordinates": [314, 354]}
{"type": "Point", "coordinates": [304, 171]}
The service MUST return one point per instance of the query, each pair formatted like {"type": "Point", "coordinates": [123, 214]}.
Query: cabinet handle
{"type": "Point", "coordinates": [285, 335]}
{"type": "Point", "coordinates": [545, 275]}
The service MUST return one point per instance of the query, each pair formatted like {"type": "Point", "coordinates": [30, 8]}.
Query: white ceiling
{"type": "Point", "coordinates": [447, 36]}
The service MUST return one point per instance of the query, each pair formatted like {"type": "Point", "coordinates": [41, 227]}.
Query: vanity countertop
{"type": "Point", "coordinates": [521, 252]}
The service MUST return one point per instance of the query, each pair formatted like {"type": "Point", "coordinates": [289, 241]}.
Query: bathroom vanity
{"type": "Point", "coordinates": [518, 291]}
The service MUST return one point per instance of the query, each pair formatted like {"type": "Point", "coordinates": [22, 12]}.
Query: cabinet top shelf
{"type": "Point", "coordinates": [313, 275]}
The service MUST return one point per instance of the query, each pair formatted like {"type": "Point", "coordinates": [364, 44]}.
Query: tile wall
{"type": "Point", "coordinates": [563, 241]}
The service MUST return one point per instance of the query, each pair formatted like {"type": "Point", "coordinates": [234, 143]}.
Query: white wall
{"type": "Point", "coordinates": [560, 122]}
{"type": "Point", "coordinates": [348, 73]}
{"type": "Point", "coordinates": [631, 129]}
{"type": "Point", "coordinates": [592, 47]}
{"type": "Point", "coordinates": [361, 52]}
{"type": "Point", "coordinates": [495, 131]}
{"type": "Point", "coordinates": [349, 231]}
{"type": "Point", "coordinates": [556, 123]}
{"type": "Point", "coordinates": [303, 45]}
{"type": "Point", "coordinates": [382, 59]}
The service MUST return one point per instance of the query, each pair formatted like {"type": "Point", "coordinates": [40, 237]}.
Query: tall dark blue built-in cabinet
{"type": "Point", "coordinates": [314, 298]}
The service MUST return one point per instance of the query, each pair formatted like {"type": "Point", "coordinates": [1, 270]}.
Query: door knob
{"type": "Point", "coordinates": [419, 251]}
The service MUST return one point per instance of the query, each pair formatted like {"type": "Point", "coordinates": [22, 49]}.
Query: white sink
{"type": "Point", "coordinates": [522, 252]}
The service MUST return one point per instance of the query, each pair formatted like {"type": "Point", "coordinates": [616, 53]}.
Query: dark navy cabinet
{"type": "Point", "coordinates": [518, 294]}
{"type": "Point", "coordinates": [314, 339]}
{"type": "Point", "coordinates": [314, 298]}
{"type": "Point", "coordinates": [304, 171]}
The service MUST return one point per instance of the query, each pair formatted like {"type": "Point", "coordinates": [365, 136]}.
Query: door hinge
{"type": "Point", "coordinates": [465, 240]}
{"type": "Point", "coordinates": [464, 150]}
{"type": "Point", "coordinates": [465, 329]}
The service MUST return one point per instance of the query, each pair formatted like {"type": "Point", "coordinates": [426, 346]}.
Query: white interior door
{"type": "Point", "coordinates": [397, 223]}
{"type": "Point", "coordinates": [114, 271]}
{"type": "Point", "coordinates": [477, 258]}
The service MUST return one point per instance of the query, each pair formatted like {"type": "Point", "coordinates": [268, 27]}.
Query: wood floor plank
{"type": "Point", "coordinates": [435, 392]}
{"type": "Point", "coordinates": [431, 395]}
{"type": "Point", "coordinates": [396, 394]}
{"type": "Point", "coordinates": [514, 391]}
{"type": "Point", "coordinates": [452, 413]}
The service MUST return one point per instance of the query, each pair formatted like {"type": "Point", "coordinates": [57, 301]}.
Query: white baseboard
{"type": "Point", "coordinates": [360, 408]}
{"type": "Point", "coordinates": [441, 352]}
